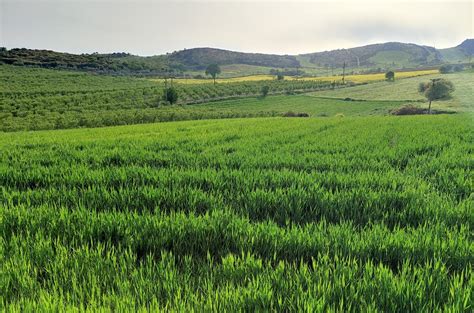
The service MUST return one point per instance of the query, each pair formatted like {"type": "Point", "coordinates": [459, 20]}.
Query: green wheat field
{"type": "Point", "coordinates": [235, 207]}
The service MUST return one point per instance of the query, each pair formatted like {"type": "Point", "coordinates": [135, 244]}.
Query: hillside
{"type": "Point", "coordinates": [467, 46]}
{"type": "Point", "coordinates": [393, 55]}
{"type": "Point", "coordinates": [460, 53]}
{"type": "Point", "coordinates": [112, 63]}
{"type": "Point", "coordinates": [199, 58]}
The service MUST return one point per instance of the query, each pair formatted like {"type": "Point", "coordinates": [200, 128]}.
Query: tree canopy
{"type": "Point", "coordinates": [213, 70]}
{"type": "Point", "coordinates": [390, 75]}
{"type": "Point", "coordinates": [436, 89]}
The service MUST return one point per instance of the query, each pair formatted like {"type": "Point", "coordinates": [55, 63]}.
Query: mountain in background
{"type": "Point", "coordinates": [391, 55]}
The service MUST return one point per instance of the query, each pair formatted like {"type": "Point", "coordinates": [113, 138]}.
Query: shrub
{"type": "Point", "coordinates": [295, 114]}
{"type": "Point", "coordinates": [390, 76]}
{"type": "Point", "coordinates": [422, 87]}
{"type": "Point", "coordinates": [447, 68]}
{"type": "Point", "coordinates": [264, 91]}
{"type": "Point", "coordinates": [408, 109]}
{"type": "Point", "coordinates": [458, 68]}
{"type": "Point", "coordinates": [170, 95]}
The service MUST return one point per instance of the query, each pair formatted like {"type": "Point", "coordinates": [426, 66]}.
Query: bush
{"type": "Point", "coordinates": [447, 68]}
{"type": "Point", "coordinates": [422, 87]}
{"type": "Point", "coordinates": [408, 109]}
{"type": "Point", "coordinates": [170, 95]}
{"type": "Point", "coordinates": [295, 114]}
{"type": "Point", "coordinates": [390, 76]}
{"type": "Point", "coordinates": [264, 91]}
{"type": "Point", "coordinates": [458, 68]}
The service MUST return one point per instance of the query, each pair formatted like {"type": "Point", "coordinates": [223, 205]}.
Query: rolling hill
{"type": "Point", "coordinates": [393, 55]}
{"type": "Point", "coordinates": [199, 58]}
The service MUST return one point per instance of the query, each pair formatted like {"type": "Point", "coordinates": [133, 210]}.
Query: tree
{"type": "Point", "coordinates": [170, 94]}
{"type": "Point", "coordinates": [265, 89]}
{"type": "Point", "coordinates": [280, 77]}
{"type": "Point", "coordinates": [436, 89]}
{"type": "Point", "coordinates": [458, 68]}
{"type": "Point", "coordinates": [445, 69]}
{"type": "Point", "coordinates": [213, 70]}
{"type": "Point", "coordinates": [343, 72]}
{"type": "Point", "coordinates": [390, 76]}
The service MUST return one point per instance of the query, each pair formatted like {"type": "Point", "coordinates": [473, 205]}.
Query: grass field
{"type": "Point", "coordinates": [407, 90]}
{"type": "Point", "coordinates": [351, 214]}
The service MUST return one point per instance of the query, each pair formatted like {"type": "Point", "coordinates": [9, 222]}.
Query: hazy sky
{"type": "Point", "coordinates": [148, 27]}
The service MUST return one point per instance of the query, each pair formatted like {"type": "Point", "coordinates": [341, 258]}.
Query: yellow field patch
{"type": "Point", "coordinates": [360, 78]}
{"type": "Point", "coordinates": [364, 78]}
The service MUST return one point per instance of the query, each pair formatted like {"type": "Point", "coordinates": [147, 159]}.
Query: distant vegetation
{"type": "Point", "coordinates": [200, 58]}
{"type": "Point", "coordinates": [32, 99]}
{"type": "Point", "coordinates": [46, 99]}
{"type": "Point", "coordinates": [411, 54]}
{"type": "Point", "coordinates": [114, 63]}
{"type": "Point", "coordinates": [450, 68]}
{"type": "Point", "coordinates": [371, 58]}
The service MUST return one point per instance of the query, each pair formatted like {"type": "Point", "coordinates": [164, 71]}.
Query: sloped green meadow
{"type": "Point", "coordinates": [336, 214]}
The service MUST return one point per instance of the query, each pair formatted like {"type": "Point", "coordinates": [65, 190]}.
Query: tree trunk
{"type": "Point", "coordinates": [343, 72]}
{"type": "Point", "coordinates": [214, 80]}
{"type": "Point", "coordinates": [429, 108]}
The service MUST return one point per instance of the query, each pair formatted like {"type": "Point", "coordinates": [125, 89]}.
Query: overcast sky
{"type": "Point", "coordinates": [146, 27]}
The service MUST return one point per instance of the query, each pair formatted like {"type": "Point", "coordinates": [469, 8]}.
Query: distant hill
{"type": "Point", "coordinates": [461, 53]}
{"type": "Point", "coordinates": [200, 58]}
{"type": "Point", "coordinates": [393, 55]}
{"type": "Point", "coordinates": [113, 63]}
{"type": "Point", "coordinates": [386, 54]}
{"type": "Point", "coordinates": [467, 46]}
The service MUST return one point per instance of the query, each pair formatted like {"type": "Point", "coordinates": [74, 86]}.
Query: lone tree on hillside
{"type": "Point", "coordinates": [390, 76]}
{"type": "Point", "coordinates": [213, 70]}
{"type": "Point", "coordinates": [436, 89]}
